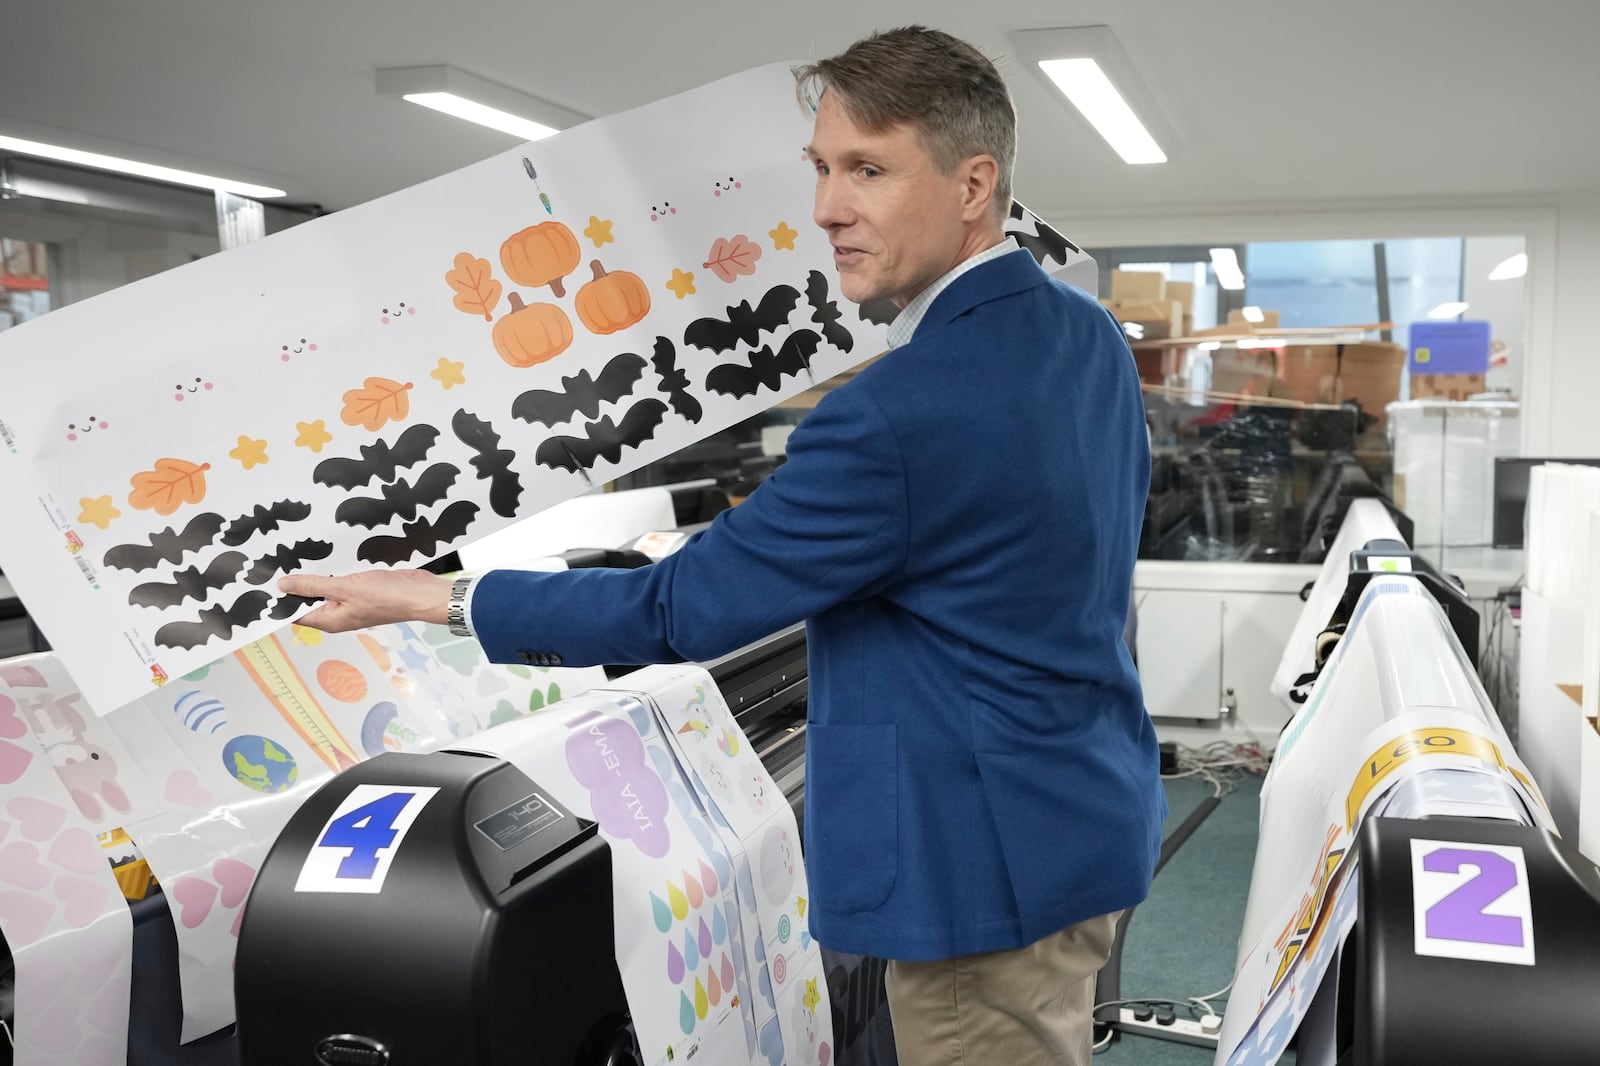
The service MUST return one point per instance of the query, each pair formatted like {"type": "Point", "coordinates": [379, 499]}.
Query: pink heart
{"type": "Point", "coordinates": [184, 787]}
{"type": "Point", "coordinates": [39, 819]}
{"type": "Point", "coordinates": [13, 760]}
{"type": "Point", "coordinates": [5, 830]}
{"type": "Point", "coordinates": [109, 1010]}
{"type": "Point", "coordinates": [195, 896]}
{"type": "Point", "coordinates": [11, 724]}
{"type": "Point", "coordinates": [235, 878]}
{"type": "Point", "coordinates": [238, 920]}
{"type": "Point", "coordinates": [59, 1029]}
{"type": "Point", "coordinates": [24, 917]}
{"type": "Point", "coordinates": [84, 898]}
{"type": "Point", "coordinates": [79, 852]}
{"type": "Point", "coordinates": [824, 1053]}
{"type": "Point", "coordinates": [50, 974]}
{"type": "Point", "coordinates": [20, 866]}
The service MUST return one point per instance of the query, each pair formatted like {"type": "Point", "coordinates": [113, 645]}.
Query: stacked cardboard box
{"type": "Point", "coordinates": [1148, 299]}
{"type": "Point", "coordinates": [1446, 386]}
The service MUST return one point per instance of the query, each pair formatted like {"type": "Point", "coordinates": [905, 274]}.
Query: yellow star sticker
{"type": "Point", "coordinates": [783, 237]}
{"type": "Point", "coordinates": [813, 997]}
{"type": "Point", "coordinates": [448, 373]}
{"type": "Point", "coordinates": [97, 510]}
{"type": "Point", "coordinates": [599, 230]}
{"type": "Point", "coordinates": [250, 452]}
{"type": "Point", "coordinates": [307, 636]}
{"type": "Point", "coordinates": [682, 284]}
{"type": "Point", "coordinates": [800, 905]}
{"type": "Point", "coordinates": [313, 435]}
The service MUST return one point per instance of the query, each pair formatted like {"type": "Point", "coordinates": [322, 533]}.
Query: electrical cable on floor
{"type": "Point", "coordinates": [1221, 764]}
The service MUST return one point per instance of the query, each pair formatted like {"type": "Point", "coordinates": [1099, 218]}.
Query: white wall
{"type": "Point", "coordinates": [1570, 370]}
{"type": "Point", "coordinates": [1503, 304]}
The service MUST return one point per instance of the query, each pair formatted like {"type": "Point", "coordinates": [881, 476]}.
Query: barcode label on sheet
{"type": "Point", "coordinates": [88, 571]}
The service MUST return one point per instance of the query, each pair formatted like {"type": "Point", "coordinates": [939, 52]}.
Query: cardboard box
{"type": "Point", "coordinates": [1269, 320]}
{"type": "Point", "coordinates": [1367, 372]}
{"type": "Point", "coordinates": [1445, 386]}
{"type": "Point", "coordinates": [1160, 318]}
{"type": "Point", "coordinates": [1141, 286]}
{"type": "Point", "coordinates": [1183, 292]}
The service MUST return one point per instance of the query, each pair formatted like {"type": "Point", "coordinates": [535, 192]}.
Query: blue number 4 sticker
{"type": "Point", "coordinates": [357, 846]}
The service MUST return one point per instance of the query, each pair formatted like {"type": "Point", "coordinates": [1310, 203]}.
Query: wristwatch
{"type": "Point", "coordinates": [455, 614]}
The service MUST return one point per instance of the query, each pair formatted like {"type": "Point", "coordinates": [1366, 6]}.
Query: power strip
{"type": "Point", "coordinates": [1182, 1030]}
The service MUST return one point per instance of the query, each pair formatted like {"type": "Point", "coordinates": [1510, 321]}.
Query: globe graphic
{"type": "Point", "coordinates": [258, 763]}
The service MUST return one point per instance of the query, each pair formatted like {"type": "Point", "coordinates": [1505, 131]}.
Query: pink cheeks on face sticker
{"type": "Point", "coordinates": [208, 386]}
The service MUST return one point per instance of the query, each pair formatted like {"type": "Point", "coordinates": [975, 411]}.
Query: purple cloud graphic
{"type": "Point", "coordinates": [630, 801]}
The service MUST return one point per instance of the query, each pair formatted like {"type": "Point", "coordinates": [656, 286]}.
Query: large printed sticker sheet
{"type": "Point", "coordinates": [709, 898]}
{"type": "Point", "coordinates": [379, 386]}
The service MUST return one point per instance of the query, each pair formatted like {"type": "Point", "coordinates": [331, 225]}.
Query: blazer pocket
{"type": "Point", "coordinates": [853, 825]}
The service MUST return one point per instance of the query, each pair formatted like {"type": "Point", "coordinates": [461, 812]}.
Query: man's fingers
{"type": "Point", "coordinates": [310, 586]}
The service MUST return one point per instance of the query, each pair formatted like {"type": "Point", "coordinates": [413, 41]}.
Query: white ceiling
{"type": "Point", "coordinates": [1272, 100]}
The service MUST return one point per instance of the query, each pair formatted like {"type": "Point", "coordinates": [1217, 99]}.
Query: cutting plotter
{"type": "Point", "coordinates": [1410, 901]}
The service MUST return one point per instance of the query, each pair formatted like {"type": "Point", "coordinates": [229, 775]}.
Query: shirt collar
{"type": "Point", "coordinates": [906, 322]}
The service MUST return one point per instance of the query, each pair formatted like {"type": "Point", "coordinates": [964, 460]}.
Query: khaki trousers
{"type": "Point", "coordinates": [1030, 1006]}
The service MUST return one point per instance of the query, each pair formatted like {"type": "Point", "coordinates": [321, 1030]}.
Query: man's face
{"type": "Point", "coordinates": [893, 218]}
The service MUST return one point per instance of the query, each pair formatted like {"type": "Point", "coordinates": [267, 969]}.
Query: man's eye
{"type": "Point", "coordinates": [869, 172]}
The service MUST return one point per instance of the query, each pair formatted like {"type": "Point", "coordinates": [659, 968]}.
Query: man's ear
{"type": "Point", "coordinates": [979, 175]}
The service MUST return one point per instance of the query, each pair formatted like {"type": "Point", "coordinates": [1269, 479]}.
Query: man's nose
{"type": "Point", "coordinates": [832, 206]}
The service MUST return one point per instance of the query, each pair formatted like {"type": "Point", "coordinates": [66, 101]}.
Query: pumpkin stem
{"type": "Point", "coordinates": [515, 300]}
{"type": "Point", "coordinates": [599, 271]}
{"type": "Point", "coordinates": [559, 289]}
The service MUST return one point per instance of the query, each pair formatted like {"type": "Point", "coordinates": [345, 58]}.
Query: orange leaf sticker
{"type": "Point", "coordinates": [733, 257]}
{"type": "Point", "coordinates": [477, 293]}
{"type": "Point", "coordinates": [377, 403]}
{"type": "Point", "coordinates": [170, 485]}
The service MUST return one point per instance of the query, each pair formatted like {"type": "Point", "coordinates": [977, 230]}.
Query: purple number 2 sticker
{"type": "Point", "coordinates": [1471, 901]}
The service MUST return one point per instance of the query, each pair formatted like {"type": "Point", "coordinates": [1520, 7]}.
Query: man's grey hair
{"type": "Point", "coordinates": [938, 85]}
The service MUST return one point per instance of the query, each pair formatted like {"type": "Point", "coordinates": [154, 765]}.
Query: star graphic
{"type": "Point", "coordinates": [813, 995]}
{"type": "Point", "coordinates": [307, 636]}
{"type": "Point", "coordinates": [250, 453]}
{"type": "Point", "coordinates": [682, 284]}
{"type": "Point", "coordinates": [414, 659]}
{"type": "Point", "coordinates": [97, 510]}
{"type": "Point", "coordinates": [783, 237]}
{"type": "Point", "coordinates": [800, 905]}
{"type": "Point", "coordinates": [448, 373]}
{"type": "Point", "coordinates": [599, 230]}
{"type": "Point", "coordinates": [313, 435]}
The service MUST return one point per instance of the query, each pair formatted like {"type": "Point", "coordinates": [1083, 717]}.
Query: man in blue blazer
{"type": "Point", "coordinates": [957, 526]}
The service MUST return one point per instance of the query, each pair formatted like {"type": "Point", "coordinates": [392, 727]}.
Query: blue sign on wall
{"type": "Point", "coordinates": [1449, 348]}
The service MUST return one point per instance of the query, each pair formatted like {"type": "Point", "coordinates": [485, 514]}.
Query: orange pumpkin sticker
{"type": "Point", "coordinates": [477, 292]}
{"type": "Point", "coordinates": [541, 255]}
{"type": "Point", "coordinates": [378, 402]}
{"type": "Point", "coordinates": [170, 485]}
{"type": "Point", "coordinates": [613, 300]}
{"type": "Point", "coordinates": [530, 334]}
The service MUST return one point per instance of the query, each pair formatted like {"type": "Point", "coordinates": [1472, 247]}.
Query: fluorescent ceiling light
{"type": "Point", "coordinates": [1515, 267]}
{"type": "Point", "coordinates": [1092, 93]}
{"type": "Point", "coordinates": [1209, 346]}
{"type": "Point", "coordinates": [1226, 264]}
{"type": "Point", "coordinates": [1252, 314]}
{"type": "Point", "coordinates": [1448, 310]}
{"type": "Point", "coordinates": [97, 161]}
{"type": "Point", "coordinates": [466, 96]}
{"type": "Point", "coordinates": [1134, 330]}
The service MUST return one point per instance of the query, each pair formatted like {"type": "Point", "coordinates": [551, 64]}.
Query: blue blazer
{"type": "Point", "coordinates": [957, 525]}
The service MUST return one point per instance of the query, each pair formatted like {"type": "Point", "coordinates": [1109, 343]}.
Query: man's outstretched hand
{"type": "Point", "coordinates": [370, 598]}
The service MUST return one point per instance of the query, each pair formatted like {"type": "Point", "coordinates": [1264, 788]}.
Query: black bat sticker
{"type": "Point", "coordinates": [765, 370]}
{"type": "Point", "coordinates": [878, 312]}
{"type": "Point", "coordinates": [604, 439]}
{"type": "Point", "coordinates": [744, 324]}
{"type": "Point", "coordinates": [825, 312]}
{"type": "Point", "coordinates": [167, 546]}
{"type": "Point", "coordinates": [674, 382]}
{"type": "Point", "coordinates": [264, 520]}
{"type": "Point", "coordinates": [379, 459]}
{"type": "Point", "coordinates": [286, 558]}
{"type": "Point", "coordinates": [1042, 240]}
{"type": "Point", "coordinates": [287, 606]}
{"type": "Point", "coordinates": [191, 583]}
{"type": "Point", "coordinates": [492, 461]}
{"type": "Point", "coordinates": [400, 499]}
{"type": "Point", "coordinates": [218, 621]}
{"type": "Point", "coordinates": [421, 537]}
{"type": "Point", "coordinates": [584, 394]}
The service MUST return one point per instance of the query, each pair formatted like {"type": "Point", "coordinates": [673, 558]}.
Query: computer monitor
{"type": "Point", "coordinates": [1511, 477]}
